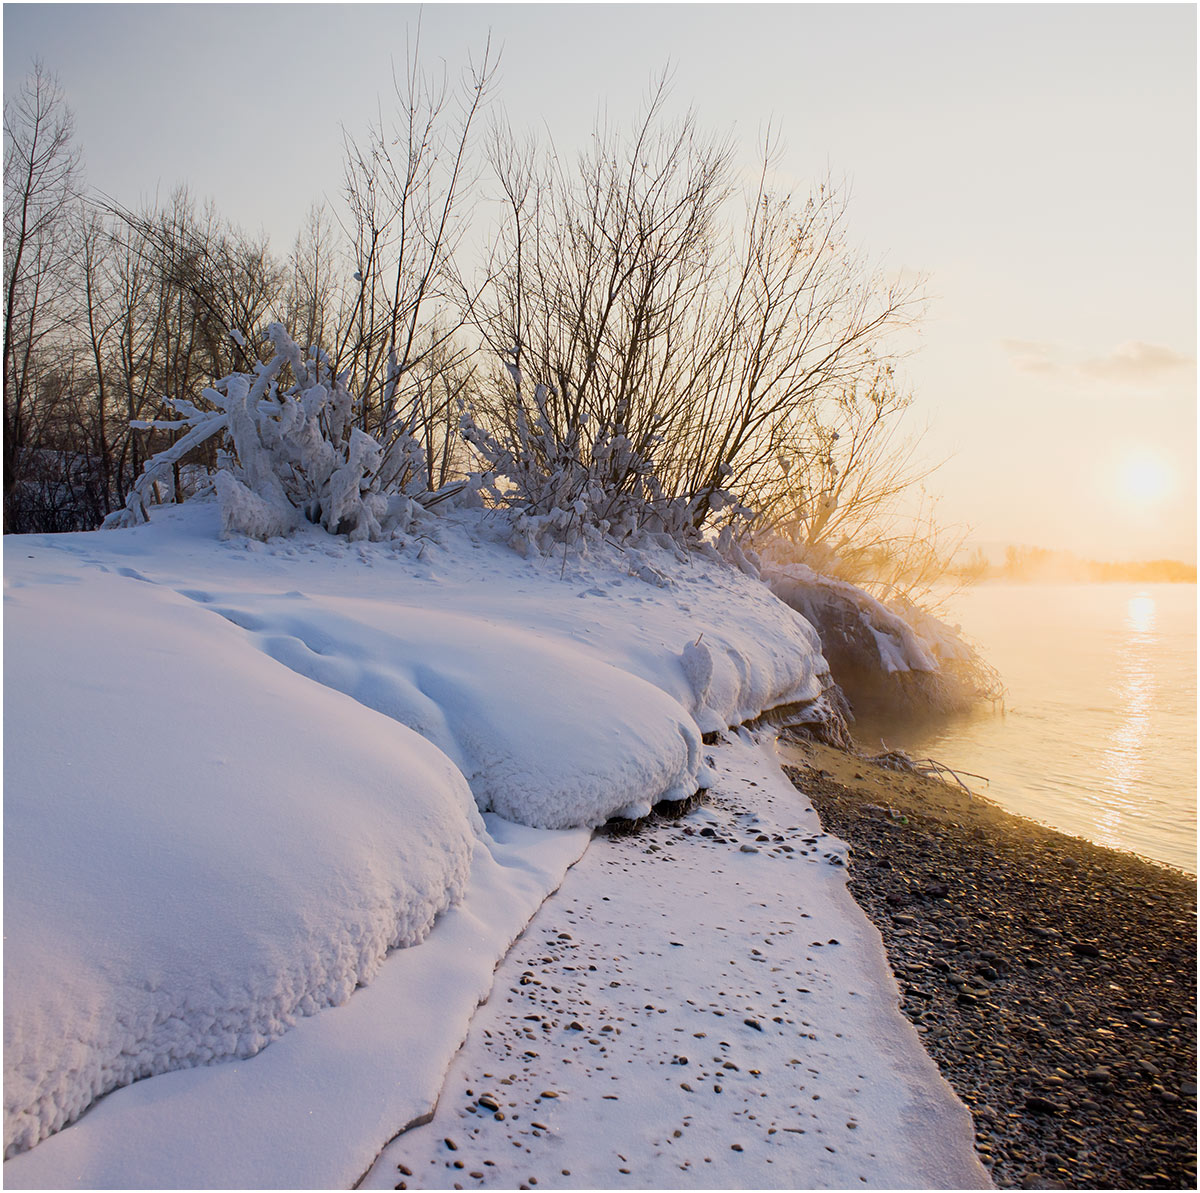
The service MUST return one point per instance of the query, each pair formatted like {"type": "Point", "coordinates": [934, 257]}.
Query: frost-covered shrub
{"type": "Point", "coordinates": [291, 452]}
{"type": "Point", "coordinates": [590, 482]}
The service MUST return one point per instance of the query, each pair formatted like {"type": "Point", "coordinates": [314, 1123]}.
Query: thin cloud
{"type": "Point", "coordinates": [1136, 361]}
{"type": "Point", "coordinates": [1033, 356]}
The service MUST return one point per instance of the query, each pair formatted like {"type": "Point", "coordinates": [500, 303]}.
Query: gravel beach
{"type": "Point", "coordinates": [1053, 980]}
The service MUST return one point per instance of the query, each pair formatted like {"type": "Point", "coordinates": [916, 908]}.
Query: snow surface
{"type": "Point", "coordinates": [313, 1110]}
{"type": "Point", "coordinates": [204, 847]}
{"type": "Point", "coordinates": [698, 1012]}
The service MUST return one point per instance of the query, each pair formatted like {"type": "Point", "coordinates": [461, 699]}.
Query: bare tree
{"type": "Point", "coordinates": [309, 304]}
{"type": "Point", "coordinates": [41, 182]}
{"type": "Point", "coordinates": [629, 293]}
{"type": "Point", "coordinates": [592, 274]}
{"type": "Point", "coordinates": [190, 297]}
{"type": "Point", "coordinates": [408, 189]}
{"type": "Point", "coordinates": [850, 500]}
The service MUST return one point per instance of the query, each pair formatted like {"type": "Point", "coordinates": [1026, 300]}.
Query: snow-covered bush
{"type": "Point", "coordinates": [291, 452]}
{"type": "Point", "coordinates": [590, 482]}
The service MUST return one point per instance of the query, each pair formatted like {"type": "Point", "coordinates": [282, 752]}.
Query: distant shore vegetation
{"type": "Point", "coordinates": [1040, 565]}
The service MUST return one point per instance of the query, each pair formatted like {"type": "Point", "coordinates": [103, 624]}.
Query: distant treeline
{"type": "Point", "coordinates": [1038, 563]}
{"type": "Point", "coordinates": [1157, 571]}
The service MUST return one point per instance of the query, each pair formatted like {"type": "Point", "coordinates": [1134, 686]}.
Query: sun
{"type": "Point", "coordinates": [1144, 478]}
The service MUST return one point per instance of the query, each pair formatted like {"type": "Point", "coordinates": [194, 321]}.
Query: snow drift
{"type": "Point", "coordinates": [197, 851]}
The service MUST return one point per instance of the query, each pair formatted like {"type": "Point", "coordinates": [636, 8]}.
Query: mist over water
{"type": "Point", "coordinates": [1098, 734]}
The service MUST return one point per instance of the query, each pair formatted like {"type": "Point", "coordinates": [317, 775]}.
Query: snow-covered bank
{"type": "Point", "coordinates": [896, 657]}
{"type": "Point", "coordinates": [204, 847]}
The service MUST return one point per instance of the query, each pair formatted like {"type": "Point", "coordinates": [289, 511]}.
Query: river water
{"type": "Point", "coordinates": [1097, 737]}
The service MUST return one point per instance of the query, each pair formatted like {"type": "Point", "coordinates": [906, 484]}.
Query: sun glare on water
{"type": "Point", "coordinates": [1144, 478]}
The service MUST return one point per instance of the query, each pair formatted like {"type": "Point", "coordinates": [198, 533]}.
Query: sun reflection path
{"type": "Point", "coordinates": [1124, 760]}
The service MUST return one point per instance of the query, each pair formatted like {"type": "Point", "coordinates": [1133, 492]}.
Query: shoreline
{"type": "Point", "coordinates": [1052, 979]}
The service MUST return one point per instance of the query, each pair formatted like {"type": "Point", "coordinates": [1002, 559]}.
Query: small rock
{"type": "Point", "coordinates": [1040, 1105]}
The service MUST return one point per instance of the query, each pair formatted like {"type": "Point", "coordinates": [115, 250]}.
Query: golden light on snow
{"type": "Point", "coordinates": [1144, 478]}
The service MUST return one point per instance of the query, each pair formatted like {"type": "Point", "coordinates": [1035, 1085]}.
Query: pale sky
{"type": "Point", "coordinates": [1037, 162]}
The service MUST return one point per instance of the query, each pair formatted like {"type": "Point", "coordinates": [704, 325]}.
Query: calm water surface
{"type": "Point", "coordinates": [1098, 734]}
